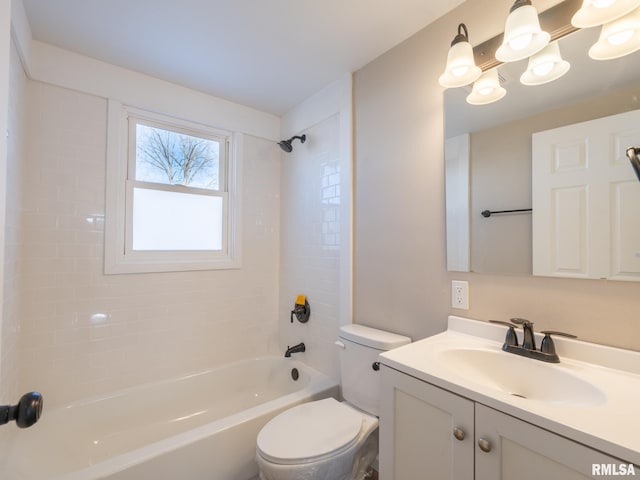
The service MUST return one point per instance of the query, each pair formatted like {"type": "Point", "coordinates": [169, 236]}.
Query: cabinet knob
{"type": "Point", "coordinates": [458, 433]}
{"type": "Point", "coordinates": [485, 445]}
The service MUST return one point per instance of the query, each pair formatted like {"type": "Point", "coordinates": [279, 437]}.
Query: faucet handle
{"type": "Point", "coordinates": [547, 345]}
{"type": "Point", "coordinates": [521, 321]}
{"type": "Point", "coordinates": [511, 338]}
{"type": "Point", "coordinates": [561, 334]}
{"type": "Point", "coordinates": [500, 322]}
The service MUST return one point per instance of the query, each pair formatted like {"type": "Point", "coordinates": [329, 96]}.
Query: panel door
{"type": "Point", "coordinates": [586, 222]}
{"type": "Point", "coordinates": [418, 425]}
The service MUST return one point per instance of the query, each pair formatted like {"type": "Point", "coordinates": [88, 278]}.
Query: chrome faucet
{"type": "Point", "coordinates": [299, 348]}
{"type": "Point", "coordinates": [547, 352]}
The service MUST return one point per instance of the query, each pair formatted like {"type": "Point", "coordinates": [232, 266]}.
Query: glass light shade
{"type": "Point", "coordinates": [461, 68]}
{"type": "Point", "coordinates": [486, 89]}
{"type": "Point", "coordinates": [618, 38]}
{"type": "Point", "coordinates": [598, 12]}
{"type": "Point", "coordinates": [522, 35]}
{"type": "Point", "coordinates": [545, 66]}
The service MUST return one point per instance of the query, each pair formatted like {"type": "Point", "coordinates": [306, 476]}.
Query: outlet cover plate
{"type": "Point", "coordinates": [460, 294]}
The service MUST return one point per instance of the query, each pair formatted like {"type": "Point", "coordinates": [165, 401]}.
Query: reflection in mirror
{"type": "Point", "coordinates": [488, 150]}
{"type": "Point", "coordinates": [585, 200]}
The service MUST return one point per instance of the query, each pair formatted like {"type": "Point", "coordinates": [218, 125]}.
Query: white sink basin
{"type": "Point", "coordinates": [520, 376]}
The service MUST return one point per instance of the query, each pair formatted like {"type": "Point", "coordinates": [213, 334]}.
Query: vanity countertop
{"type": "Point", "coordinates": [592, 396]}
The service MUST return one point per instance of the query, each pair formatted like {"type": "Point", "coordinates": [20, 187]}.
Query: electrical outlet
{"type": "Point", "coordinates": [460, 294]}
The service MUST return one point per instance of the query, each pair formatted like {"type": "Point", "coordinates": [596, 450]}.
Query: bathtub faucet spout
{"type": "Point", "coordinates": [299, 348]}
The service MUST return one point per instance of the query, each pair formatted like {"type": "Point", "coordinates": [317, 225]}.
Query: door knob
{"type": "Point", "coordinates": [25, 413]}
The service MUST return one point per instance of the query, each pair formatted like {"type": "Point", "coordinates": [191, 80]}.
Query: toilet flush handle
{"type": "Point", "coordinates": [340, 344]}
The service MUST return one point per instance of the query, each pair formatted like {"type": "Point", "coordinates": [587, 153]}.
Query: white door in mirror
{"type": "Point", "coordinates": [585, 197]}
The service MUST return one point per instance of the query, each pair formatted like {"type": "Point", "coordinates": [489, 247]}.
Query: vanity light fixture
{"type": "Point", "coordinates": [486, 89]}
{"type": "Point", "coordinates": [618, 38]}
{"type": "Point", "coordinates": [524, 37]}
{"type": "Point", "coordinates": [522, 34]}
{"type": "Point", "coordinates": [545, 66]}
{"type": "Point", "coordinates": [461, 68]}
{"type": "Point", "coordinates": [598, 12]}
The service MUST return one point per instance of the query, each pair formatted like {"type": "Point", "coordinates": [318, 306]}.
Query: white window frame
{"type": "Point", "coordinates": [119, 257]}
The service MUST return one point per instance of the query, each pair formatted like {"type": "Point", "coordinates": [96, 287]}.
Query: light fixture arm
{"type": "Point", "coordinates": [461, 37]}
{"type": "Point", "coordinates": [519, 3]}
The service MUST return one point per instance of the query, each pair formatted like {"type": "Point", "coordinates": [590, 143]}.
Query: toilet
{"type": "Point", "coordinates": [328, 439]}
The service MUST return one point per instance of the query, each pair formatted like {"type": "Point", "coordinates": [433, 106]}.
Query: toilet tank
{"type": "Point", "coordinates": [359, 349]}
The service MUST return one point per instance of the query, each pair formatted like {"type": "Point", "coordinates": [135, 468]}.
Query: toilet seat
{"type": "Point", "coordinates": [310, 432]}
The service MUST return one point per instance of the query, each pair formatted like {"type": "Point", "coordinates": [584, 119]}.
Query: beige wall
{"type": "Point", "coordinates": [501, 180]}
{"type": "Point", "coordinates": [401, 282]}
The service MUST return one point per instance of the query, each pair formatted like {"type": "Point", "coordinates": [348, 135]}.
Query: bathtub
{"type": "Point", "coordinates": [197, 427]}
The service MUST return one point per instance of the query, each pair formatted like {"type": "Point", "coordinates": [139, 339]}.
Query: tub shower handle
{"type": "Point", "coordinates": [301, 311]}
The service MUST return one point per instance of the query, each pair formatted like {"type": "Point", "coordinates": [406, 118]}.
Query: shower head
{"type": "Point", "coordinates": [286, 146]}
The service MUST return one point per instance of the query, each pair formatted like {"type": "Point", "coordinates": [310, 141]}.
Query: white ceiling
{"type": "Point", "coordinates": [267, 54]}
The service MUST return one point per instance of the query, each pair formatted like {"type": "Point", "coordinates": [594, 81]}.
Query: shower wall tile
{"type": "Point", "coordinates": [310, 243]}
{"type": "Point", "coordinates": [10, 330]}
{"type": "Point", "coordinates": [85, 333]}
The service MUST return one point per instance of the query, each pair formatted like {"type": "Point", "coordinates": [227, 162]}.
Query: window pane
{"type": "Point", "coordinates": [176, 221]}
{"type": "Point", "coordinates": [164, 156]}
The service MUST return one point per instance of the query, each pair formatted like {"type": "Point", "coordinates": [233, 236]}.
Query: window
{"type": "Point", "coordinates": [172, 194]}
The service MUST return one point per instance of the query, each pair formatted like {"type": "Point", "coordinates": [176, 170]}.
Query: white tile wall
{"type": "Point", "coordinates": [10, 329]}
{"type": "Point", "coordinates": [85, 333]}
{"type": "Point", "coordinates": [311, 243]}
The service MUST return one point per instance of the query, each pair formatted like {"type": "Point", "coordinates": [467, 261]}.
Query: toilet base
{"type": "Point", "coordinates": [348, 466]}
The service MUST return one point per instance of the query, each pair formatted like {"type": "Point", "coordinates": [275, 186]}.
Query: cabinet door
{"type": "Point", "coordinates": [521, 451]}
{"type": "Point", "coordinates": [417, 423]}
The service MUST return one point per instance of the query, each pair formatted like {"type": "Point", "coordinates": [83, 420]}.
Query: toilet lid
{"type": "Point", "coordinates": [309, 431]}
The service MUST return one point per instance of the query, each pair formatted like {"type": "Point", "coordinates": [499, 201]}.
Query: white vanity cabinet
{"type": "Point", "coordinates": [427, 432]}
{"type": "Point", "coordinates": [417, 423]}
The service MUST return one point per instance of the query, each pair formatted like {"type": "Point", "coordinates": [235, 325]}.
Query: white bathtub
{"type": "Point", "coordinates": [197, 427]}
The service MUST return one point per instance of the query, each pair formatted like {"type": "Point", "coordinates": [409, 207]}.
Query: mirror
{"type": "Point", "coordinates": [496, 174]}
